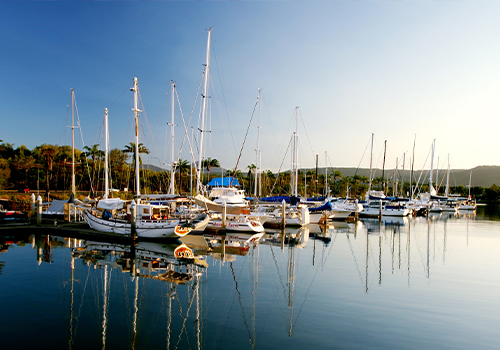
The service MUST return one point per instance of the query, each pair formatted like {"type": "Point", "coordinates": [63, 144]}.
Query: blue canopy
{"type": "Point", "coordinates": [326, 206]}
{"type": "Point", "coordinates": [277, 199]}
{"type": "Point", "coordinates": [224, 181]}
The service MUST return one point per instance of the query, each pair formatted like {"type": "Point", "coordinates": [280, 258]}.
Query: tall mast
{"type": "Point", "coordinates": [191, 168]}
{"type": "Point", "coordinates": [470, 179]}
{"type": "Point", "coordinates": [383, 167]}
{"type": "Point", "coordinates": [395, 176]}
{"type": "Point", "coordinates": [203, 110]}
{"type": "Point", "coordinates": [135, 89]}
{"type": "Point", "coordinates": [432, 166]}
{"type": "Point", "coordinates": [412, 164]}
{"type": "Point", "coordinates": [295, 173]}
{"type": "Point", "coordinates": [326, 174]}
{"type": "Point", "coordinates": [172, 158]}
{"type": "Point", "coordinates": [73, 190]}
{"type": "Point", "coordinates": [403, 176]}
{"type": "Point", "coordinates": [371, 156]}
{"type": "Point", "coordinates": [447, 190]}
{"type": "Point", "coordinates": [438, 184]}
{"type": "Point", "coordinates": [257, 152]}
{"type": "Point", "coordinates": [106, 151]}
{"type": "Point", "coordinates": [316, 188]}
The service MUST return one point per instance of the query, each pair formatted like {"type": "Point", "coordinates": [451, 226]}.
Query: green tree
{"type": "Point", "coordinates": [47, 153]}
{"type": "Point", "coordinates": [209, 163]}
{"type": "Point", "coordinates": [94, 153]}
{"type": "Point", "coordinates": [183, 167]}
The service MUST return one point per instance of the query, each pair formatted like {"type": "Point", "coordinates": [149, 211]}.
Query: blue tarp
{"type": "Point", "coordinates": [326, 206]}
{"type": "Point", "coordinates": [277, 199]}
{"type": "Point", "coordinates": [224, 181]}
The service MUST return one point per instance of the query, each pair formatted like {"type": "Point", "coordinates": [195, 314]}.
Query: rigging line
{"type": "Point", "coordinates": [420, 176]}
{"type": "Point", "coordinates": [116, 99]}
{"type": "Point", "coordinates": [362, 157]}
{"type": "Point", "coordinates": [307, 135]}
{"type": "Point", "coordinates": [277, 268]}
{"type": "Point", "coordinates": [285, 136]}
{"type": "Point", "coordinates": [227, 135]}
{"type": "Point", "coordinates": [355, 260]}
{"type": "Point", "coordinates": [62, 135]}
{"type": "Point", "coordinates": [186, 136]}
{"type": "Point", "coordinates": [146, 120]}
{"type": "Point", "coordinates": [244, 140]}
{"type": "Point", "coordinates": [183, 328]}
{"type": "Point", "coordinates": [279, 170]}
{"type": "Point", "coordinates": [275, 137]}
{"type": "Point", "coordinates": [81, 304]}
{"type": "Point", "coordinates": [241, 305]}
{"type": "Point", "coordinates": [222, 92]}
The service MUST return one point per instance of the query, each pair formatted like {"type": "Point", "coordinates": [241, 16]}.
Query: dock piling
{"type": "Point", "coordinates": [283, 213]}
{"type": "Point", "coordinates": [133, 220]}
{"type": "Point", "coordinates": [39, 211]}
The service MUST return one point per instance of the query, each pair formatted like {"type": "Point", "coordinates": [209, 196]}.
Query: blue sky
{"type": "Point", "coordinates": [395, 69]}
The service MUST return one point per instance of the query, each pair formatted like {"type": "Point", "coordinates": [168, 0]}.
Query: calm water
{"type": "Point", "coordinates": [402, 284]}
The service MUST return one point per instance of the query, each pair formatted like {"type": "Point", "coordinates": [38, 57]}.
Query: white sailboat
{"type": "Point", "coordinates": [152, 220]}
{"type": "Point", "coordinates": [469, 204]}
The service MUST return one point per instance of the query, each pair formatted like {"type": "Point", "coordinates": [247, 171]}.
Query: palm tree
{"type": "Point", "coordinates": [93, 152]}
{"type": "Point", "coordinates": [183, 166]}
{"type": "Point", "coordinates": [336, 174]}
{"type": "Point", "coordinates": [251, 171]}
{"type": "Point", "coordinates": [130, 148]}
{"type": "Point", "coordinates": [209, 163]}
{"type": "Point", "coordinates": [47, 152]}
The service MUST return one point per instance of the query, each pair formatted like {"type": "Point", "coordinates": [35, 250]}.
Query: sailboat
{"type": "Point", "coordinates": [152, 220]}
{"type": "Point", "coordinates": [469, 204]}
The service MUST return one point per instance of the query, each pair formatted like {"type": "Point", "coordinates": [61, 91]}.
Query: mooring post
{"type": "Point", "coordinates": [33, 205]}
{"type": "Point", "coordinates": [224, 212]}
{"type": "Point", "coordinates": [356, 209]}
{"type": "Point", "coordinates": [133, 219]}
{"type": "Point", "coordinates": [39, 211]}
{"type": "Point", "coordinates": [283, 213]}
{"type": "Point", "coordinates": [380, 210]}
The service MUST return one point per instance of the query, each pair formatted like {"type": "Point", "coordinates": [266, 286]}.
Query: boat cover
{"type": "Point", "coordinates": [209, 205]}
{"type": "Point", "coordinates": [275, 199]}
{"type": "Point", "coordinates": [110, 203]}
{"type": "Point", "coordinates": [224, 181]}
{"type": "Point", "coordinates": [326, 206]}
{"type": "Point", "coordinates": [56, 206]}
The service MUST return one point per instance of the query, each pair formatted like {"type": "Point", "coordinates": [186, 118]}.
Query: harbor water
{"type": "Point", "coordinates": [417, 283]}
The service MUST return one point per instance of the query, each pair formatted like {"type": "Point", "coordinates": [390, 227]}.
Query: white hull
{"type": "Point", "coordinates": [277, 220]}
{"type": "Point", "coordinates": [367, 211]}
{"type": "Point", "coordinates": [210, 205]}
{"type": "Point", "coordinates": [315, 218]}
{"type": "Point", "coordinates": [144, 228]}
{"type": "Point", "coordinates": [467, 207]}
{"type": "Point", "coordinates": [237, 225]}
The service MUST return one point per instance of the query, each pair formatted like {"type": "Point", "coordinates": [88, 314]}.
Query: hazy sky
{"type": "Point", "coordinates": [395, 69]}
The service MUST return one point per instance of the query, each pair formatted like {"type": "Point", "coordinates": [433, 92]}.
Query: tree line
{"type": "Point", "coordinates": [48, 168]}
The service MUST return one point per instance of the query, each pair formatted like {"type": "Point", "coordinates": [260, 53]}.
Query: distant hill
{"type": "Point", "coordinates": [213, 170]}
{"type": "Point", "coordinates": [482, 176]}
{"type": "Point", "coordinates": [152, 168]}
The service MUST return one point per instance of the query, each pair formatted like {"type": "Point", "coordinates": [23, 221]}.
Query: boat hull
{"type": "Point", "coordinates": [144, 228]}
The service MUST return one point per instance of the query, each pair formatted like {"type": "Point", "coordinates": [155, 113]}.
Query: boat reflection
{"type": "Point", "coordinates": [225, 247]}
{"type": "Point", "coordinates": [376, 226]}
{"type": "Point", "coordinates": [288, 236]}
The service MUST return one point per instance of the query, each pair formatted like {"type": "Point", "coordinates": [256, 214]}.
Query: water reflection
{"type": "Point", "coordinates": [281, 289]}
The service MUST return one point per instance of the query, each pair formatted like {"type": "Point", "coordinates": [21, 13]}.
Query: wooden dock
{"type": "Point", "coordinates": [79, 230]}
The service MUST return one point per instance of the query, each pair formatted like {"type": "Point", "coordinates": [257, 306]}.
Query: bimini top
{"type": "Point", "coordinates": [224, 181]}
